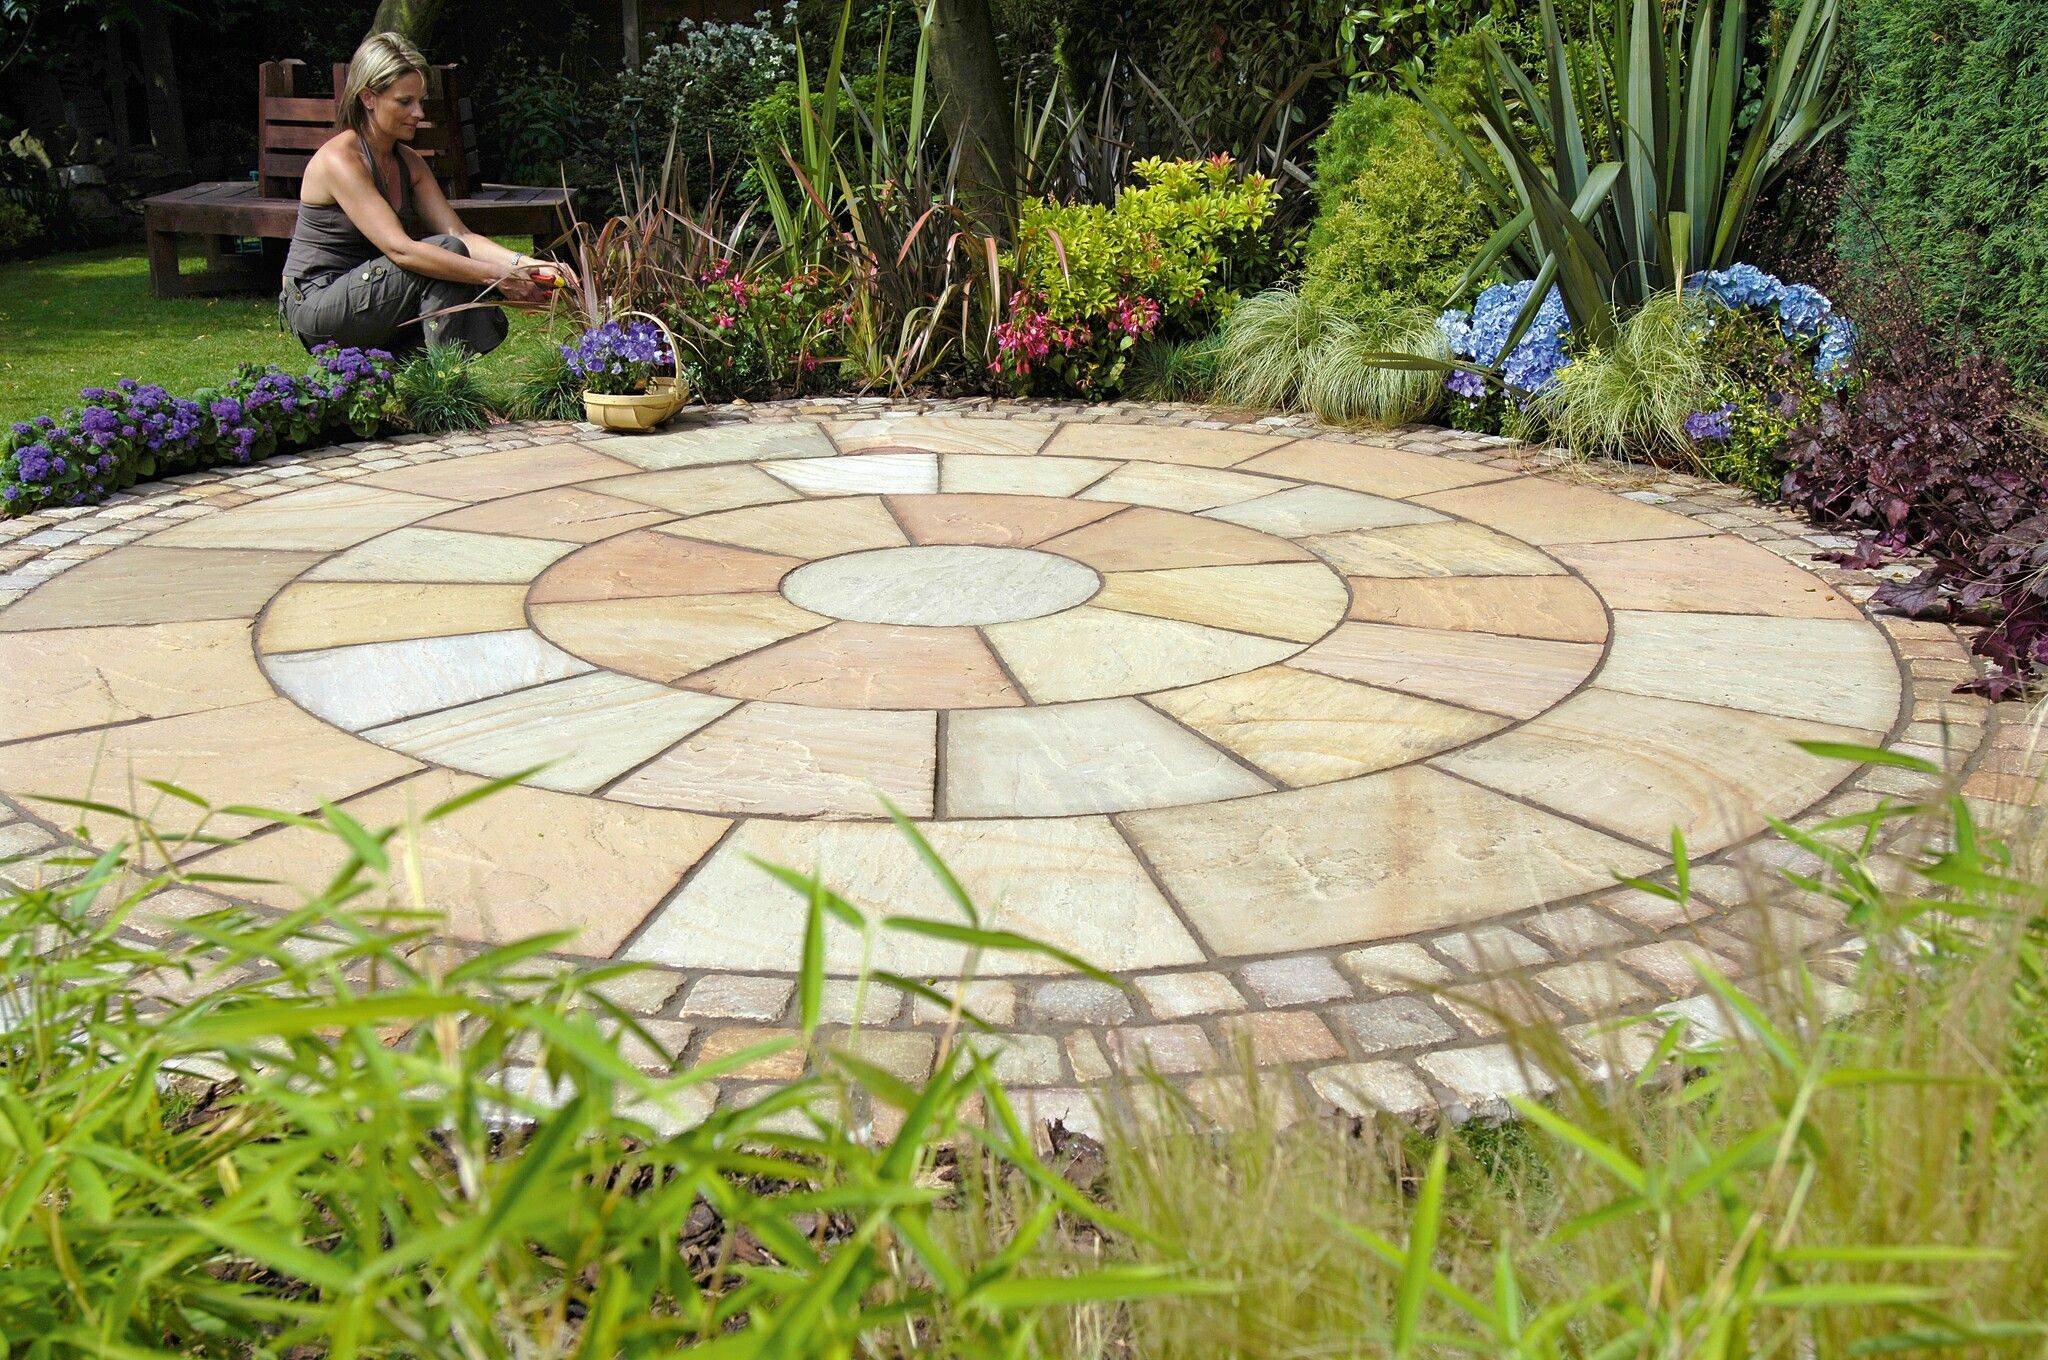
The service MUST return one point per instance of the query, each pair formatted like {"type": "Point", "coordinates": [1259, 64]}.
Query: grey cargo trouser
{"type": "Point", "coordinates": [379, 305]}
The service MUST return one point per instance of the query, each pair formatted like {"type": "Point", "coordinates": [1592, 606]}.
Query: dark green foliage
{"type": "Point", "coordinates": [1948, 164]}
{"type": "Point", "coordinates": [439, 391]}
{"type": "Point", "coordinates": [1173, 370]}
{"type": "Point", "coordinates": [541, 387]}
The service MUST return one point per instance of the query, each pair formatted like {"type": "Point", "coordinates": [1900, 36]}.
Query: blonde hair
{"type": "Point", "coordinates": [382, 60]}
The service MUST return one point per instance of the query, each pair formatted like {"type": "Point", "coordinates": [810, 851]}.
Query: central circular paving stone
{"type": "Point", "coordinates": [941, 586]}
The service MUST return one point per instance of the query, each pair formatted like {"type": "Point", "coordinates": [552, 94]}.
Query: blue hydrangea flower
{"type": "Point", "coordinates": [1803, 311]}
{"type": "Point", "coordinates": [1482, 334]}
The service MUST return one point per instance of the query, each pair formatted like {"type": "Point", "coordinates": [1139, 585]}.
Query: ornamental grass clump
{"type": "Point", "coordinates": [1635, 397]}
{"type": "Point", "coordinates": [122, 434]}
{"type": "Point", "coordinates": [439, 391]}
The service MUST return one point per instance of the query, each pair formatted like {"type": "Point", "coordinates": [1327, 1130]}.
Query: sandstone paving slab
{"type": "Point", "coordinates": [1372, 469]}
{"type": "Point", "coordinates": [380, 682]}
{"type": "Point", "coordinates": [318, 519]}
{"type": "Point", "coordinates": [1544, 511]}
{"type": "Point", "coordinates": [1091, 653]}
{"type": "Point", "coordinates": [698, 490]}
{"type": "Point", "coordinates": [1296, 870]}
{"type": "Point", "coordinates": [265, 754]}
{"type": "Point", "coordinates": [941, 434]}
{"type": "Point", "coordinates": [1173, 486]}
{"type": "Point", "coordinates": [645, 563]}
{"type": "Point", "coordinates": [1302, 727]}
{"type": "Point", "coordinates": [1514, 677]}
{"type": "Point", "coordinates": [1303, 511]}
{"type": "Point", "coordinates": [143, 583]}
{"type": "Point", "coordinates": [730, 442]}
{"type": "Point", "coordinates": [859, 474]}
{"type": "Point", "coordinates": [805, 529]}
{"type": "Point", "coordinates": [312, 615]}
{"type": "Point", "coordinates": [1703, 575]}
{"type": "Point", "coordinates": [1020, 474]}
{"type": "Point", "coordinates": [664, 638]}
{"type": "Point", "coordinates": [1827, 670]}
{"type": "Point", "coordinates": [870, 666]}
{"type": "Point", "coordinates": [1297, 601]}
{"type": "Point", "coordinates": [583, 865]}
{"type": "Point", "coordinates": [1561, 608]}
{"type": "Point", "coordinates": [996, 521]}
{"type": "Point", "coordinates": [1193, 447]}
{"type": "Point", "coordinates": [1144, 538]}
{"type": "Point", "coordinates": [1109, 755]}
{"type": "Point", "coordinates": [587, 730]}
{"type": "Point", "coordinates": [567, 514]}
{"type": "Point", "coordinates": [505, 472]}
{"type": "Point", "coordinates": [1639, 766]}
{"type": "Point", "coordinates": [65, 679]}
{"type": "Point", "coordinates": [1070, 882]}
{"type": "Point", "coordinates": [413, 554]}
{"type": "Point", "coordinates": [941, 585]}
{"type": "Point", "coordinates": [1443, 549]}
{"type": "Point", "coordinates": [794, 760]}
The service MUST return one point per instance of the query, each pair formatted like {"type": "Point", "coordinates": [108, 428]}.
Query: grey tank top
{"type": "Point", "coordinates": [325, 242]}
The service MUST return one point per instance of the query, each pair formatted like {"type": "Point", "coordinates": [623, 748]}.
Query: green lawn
{"type": "Point", "coordinates": [72, 321]}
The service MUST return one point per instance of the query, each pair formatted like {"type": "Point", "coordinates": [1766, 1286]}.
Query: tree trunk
{"type": "Point", "coordinates": [117, 85]}
{"type": "Point", "coordinates": [974, 107]}
{"type": "Point", "coordinates": [160, 84]}
{"type": "Point", "coordinates": [414, 18]}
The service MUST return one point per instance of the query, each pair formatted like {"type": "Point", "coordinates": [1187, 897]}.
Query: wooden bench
{"type": "Point", "coordinates": [293, 126]}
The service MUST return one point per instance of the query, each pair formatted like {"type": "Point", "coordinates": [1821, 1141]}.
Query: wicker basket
{"type": "Point", "coordinates": [640, 410]}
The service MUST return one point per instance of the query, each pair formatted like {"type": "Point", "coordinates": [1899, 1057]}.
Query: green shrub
{"type": "Point", "coordinates": [539, 385]}
{"type": "Point", "coordinates": [700, 89]}
{"type": "Point", "coordinates": [1947, 167]}
{"type": "Point", "coordinates": [19, 228]}
{"type": "Point", "coordinates": [1286, 350]}
{"type": "Point", "coordinates": [1173, 370]}
{"type": "Point", "coordinates": [1630, 397]}
{"type": "Point", "coordinates": [439, 390]}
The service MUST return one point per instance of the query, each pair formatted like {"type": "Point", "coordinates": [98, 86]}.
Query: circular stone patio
{"type": "Point", "coordinates": [1304, 735]}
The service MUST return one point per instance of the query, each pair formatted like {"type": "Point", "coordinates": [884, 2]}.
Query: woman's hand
{"type": "Point", "coordinates": [522, 288]}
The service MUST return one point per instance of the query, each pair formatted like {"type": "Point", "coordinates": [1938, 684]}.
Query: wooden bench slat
{"type": "Point", "coordinates": [293, 109]}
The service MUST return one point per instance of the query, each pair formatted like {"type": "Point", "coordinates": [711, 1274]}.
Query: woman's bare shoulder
{"type": "Point", "coordinates": [335, 159]}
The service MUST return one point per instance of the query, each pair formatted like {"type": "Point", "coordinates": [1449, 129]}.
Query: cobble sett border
{"type": "Point", "coordinates": [1413, 1027]}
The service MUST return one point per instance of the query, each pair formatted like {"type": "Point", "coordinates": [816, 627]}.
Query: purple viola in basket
{"type": "Point", "coordinates": [618, 358]}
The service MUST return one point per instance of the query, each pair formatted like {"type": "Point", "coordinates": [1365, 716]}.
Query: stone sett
{"type": "Point", "coordinates": [1368, 1088]}
{"type": "Point", "coordinates": [736, 996]}
{"type": "Point", "coordinates": [1395, 967]}
{"type": "Point", "coordinates": [1302, 980]}
{"type": "Point", "coordinates": [1170, 1050]}
{"type": "Point", "coordinates": [1174, 996]}
{"type": "Point", "coordinates": [1079, 1001]}
{"type": "Point", "coordinates": [1391, 1023]}
{"type": "Point", "coordinates": [1280, 1038]}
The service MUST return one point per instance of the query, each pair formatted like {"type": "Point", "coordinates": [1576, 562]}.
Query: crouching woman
{"type": "Point", "coordinates": [378, 258]}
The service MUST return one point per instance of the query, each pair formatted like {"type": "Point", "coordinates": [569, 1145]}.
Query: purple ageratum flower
{"type": "Point", "coordinates": [35, 463]}
{"type": "Point", "coordinates": [1704, 426]}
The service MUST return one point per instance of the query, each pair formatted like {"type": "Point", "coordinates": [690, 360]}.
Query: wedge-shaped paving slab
{"type": "Point", "coordinates": [506, 472]}
{"type": "Point", "coordinates": [1091, 653]}
{"type": "Point", "coordinates": [1172, 486]}
{"type": "Point", "coordinates": [992, 521]}
{"type": "Point", "coordinates": [566, 513]}
{"type": "Point", "coordinates": [666, 637]}
{"type": "Point", "coordinates": [1447, 549]}
{"type": "Point", "coordinates": [265, 754]}
{"type": "Point", "coordinates": [1514, 677]}
{"type": "Point", "coordinates": [1829, 670]}
{"type": "Point", "coordinates": [1302, 511]}
{"type": "Point", "coordinates": [792, 760]}
{"type": "Point", "coordinates": [380, 682]}
{"type": "Point", "coordinates": [1543, 510]}
{"type": "Point", "coordinates": [1639, 767]}
{"type": "Point", "coordinates": [870, 666]}
{"type": "Point", "coordinates": [145, 584]}
{"type": "Point", "coordinates": [442, 555]}
{"type": "Point", "coordinates": [698, 490]}
{"type": "Point", "coordinates": [1718, 575]}
{"type": "Point", "coordinates": [1107, 756]}
{"type": "Point", "coordinates": [1069, 882]}
{"type": "Point", "coordinates": [312, 615]}
{"type": "Point", "coordinates": [318, 519]}
{"type": "Point", "coordinates": [1143, 538]}
{"type": "Point", "coordinates": [806, 529]}
{"type": "Point", "coordinates": [587, 730]}
{"type": "Point", "coordinates": [70, 678]}
{"type": "Point", "coordinates": [1365, 467]}
{"type": "Point", "coordinates": [1304, 728]}
{"type": "Point", "coordinates": [859, 474]}
{"type": "Point", "coordinates": [1561, 608]}
{"type": "Point", "coordinates": [1389, 854]}
{"type": "Point", "coordinates": [1298, 601]}
{"type": "Point", "coordinates": [941, 434]}
{"type": "Point", "coordinates": [713, 443]}
{"type": "Point", "coordinates": [521, 862]}
{"type": "Point", "coordinates": [1019, 475]}
{"type": "Point", "coordinates": [1154, 444]}
{"type": "Point", "coordinates": [645, 563]}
